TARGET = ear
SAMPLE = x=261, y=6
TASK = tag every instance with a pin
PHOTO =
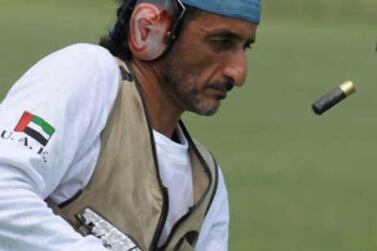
x=149, y=29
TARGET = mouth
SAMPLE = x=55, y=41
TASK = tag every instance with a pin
x=219, y=90
x=219, y=93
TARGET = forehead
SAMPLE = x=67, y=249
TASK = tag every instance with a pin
x=211, y=23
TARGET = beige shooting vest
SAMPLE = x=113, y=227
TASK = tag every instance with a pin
x=126, y=188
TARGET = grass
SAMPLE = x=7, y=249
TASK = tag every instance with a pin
x=297, y=182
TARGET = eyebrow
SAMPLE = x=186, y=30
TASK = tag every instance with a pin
x=232, y=35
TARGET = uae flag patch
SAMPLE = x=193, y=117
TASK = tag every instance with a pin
x=35, y=127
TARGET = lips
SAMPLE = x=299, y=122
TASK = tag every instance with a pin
x=220, y=90
x=220, y=93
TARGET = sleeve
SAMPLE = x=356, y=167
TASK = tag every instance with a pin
x=50, y=118
x=215, y=230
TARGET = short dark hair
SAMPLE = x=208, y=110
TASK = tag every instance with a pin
x=115, y=40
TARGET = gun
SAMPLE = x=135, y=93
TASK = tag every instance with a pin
x=112, y=238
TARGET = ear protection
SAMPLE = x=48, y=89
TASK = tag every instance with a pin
x=149, y=27
x=149, y=37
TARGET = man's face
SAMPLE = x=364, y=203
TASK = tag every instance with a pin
x=207, y=61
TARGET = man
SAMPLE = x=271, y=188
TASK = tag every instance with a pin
x=95, y=133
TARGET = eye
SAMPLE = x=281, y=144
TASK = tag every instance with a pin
x=222, y=44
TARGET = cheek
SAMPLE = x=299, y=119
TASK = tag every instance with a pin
x=200, y=68
x=198, y=56
x=192, y=63
x=204, y=63
x=205, y=73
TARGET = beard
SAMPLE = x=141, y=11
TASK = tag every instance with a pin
x=181, y=87
x=182, y=84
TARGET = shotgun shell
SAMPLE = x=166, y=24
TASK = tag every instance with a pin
x=333, y=97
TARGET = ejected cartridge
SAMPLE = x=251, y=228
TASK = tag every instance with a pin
x=333, y=97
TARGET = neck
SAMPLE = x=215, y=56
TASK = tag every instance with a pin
x=163, y=112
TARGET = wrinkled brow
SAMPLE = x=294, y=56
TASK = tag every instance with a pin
x=230, y=35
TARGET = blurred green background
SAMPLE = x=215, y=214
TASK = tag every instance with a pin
x=297, y=182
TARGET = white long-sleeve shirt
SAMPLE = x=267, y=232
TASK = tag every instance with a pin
x=50, y=125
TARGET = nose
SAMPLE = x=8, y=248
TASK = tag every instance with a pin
x=235, y=67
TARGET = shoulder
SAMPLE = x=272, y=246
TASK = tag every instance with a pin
x=75, y=74
x=79, y=62
x=87, y=69
x=76, y=85
x=76, y=62
x=87, y=55
x=82, y=50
